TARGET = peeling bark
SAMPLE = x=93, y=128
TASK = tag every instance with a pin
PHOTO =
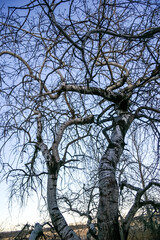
x=107, y=219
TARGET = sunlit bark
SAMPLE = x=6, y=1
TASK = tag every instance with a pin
x=61, y=226
x=108, y=225
x=70, y=63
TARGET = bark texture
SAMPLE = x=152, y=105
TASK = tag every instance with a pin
x=108, y=227
x=62, y=228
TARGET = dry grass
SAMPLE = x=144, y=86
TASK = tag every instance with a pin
x=81, y=230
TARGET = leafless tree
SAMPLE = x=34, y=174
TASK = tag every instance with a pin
x=139, y=171
x=69, y=71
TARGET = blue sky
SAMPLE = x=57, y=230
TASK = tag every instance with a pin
x=12, y=217
x=12, y=3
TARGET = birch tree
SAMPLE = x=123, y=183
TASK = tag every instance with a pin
x=71, y=70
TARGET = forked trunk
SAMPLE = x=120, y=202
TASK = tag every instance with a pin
x=107, y=219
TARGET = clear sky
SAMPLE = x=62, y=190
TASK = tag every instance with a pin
x=14, y=217
x=12, y=3
x=11, y=218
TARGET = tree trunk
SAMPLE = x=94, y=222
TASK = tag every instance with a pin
x=62, y=228
x=107, y=218
x=37, y=232
x=124, y=233
x=128, y=219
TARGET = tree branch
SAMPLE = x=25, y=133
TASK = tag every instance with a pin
x=77, y=121
x=143, y=35
x=19, y=58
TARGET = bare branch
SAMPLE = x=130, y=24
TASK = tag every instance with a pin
x=81, y=121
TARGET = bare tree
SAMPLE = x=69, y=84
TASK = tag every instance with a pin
x=140, y=172
x=70, y=69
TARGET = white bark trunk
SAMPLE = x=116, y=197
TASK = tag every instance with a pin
x=107, y=218
x=53, y=164
x=62, y=228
